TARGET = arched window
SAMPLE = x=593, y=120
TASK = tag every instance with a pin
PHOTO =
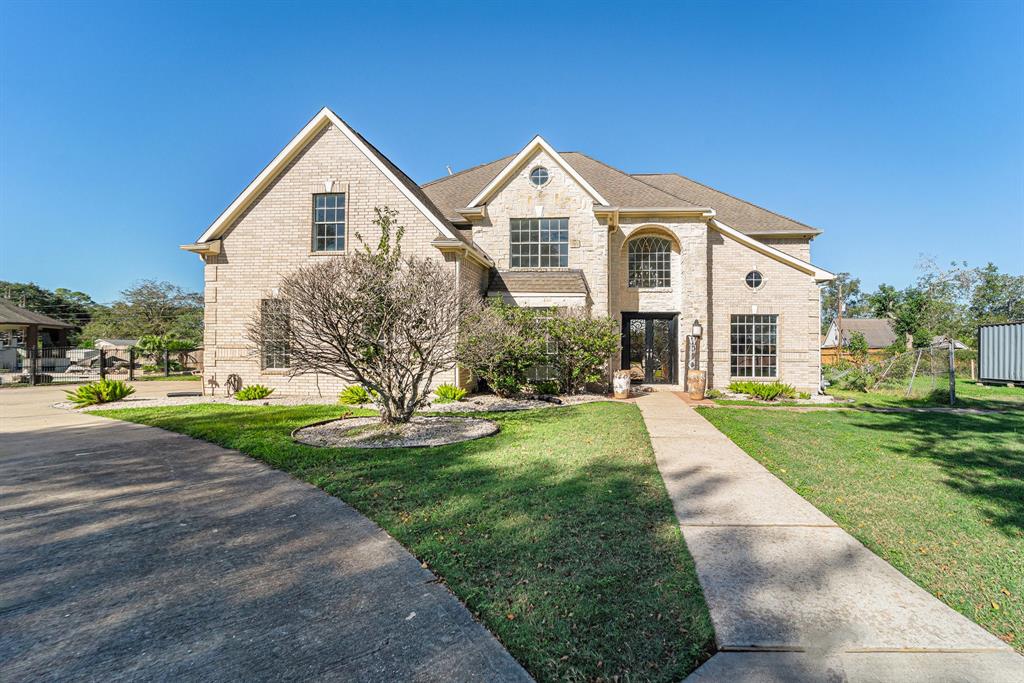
x=650, y=262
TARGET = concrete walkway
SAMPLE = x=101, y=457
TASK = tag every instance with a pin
x=128, y=552
x=792, y=596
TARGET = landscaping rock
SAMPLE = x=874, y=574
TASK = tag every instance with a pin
x=370, y=432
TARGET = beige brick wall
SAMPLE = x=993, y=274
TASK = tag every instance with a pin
x=273, y=238
x=787, y=292
x=561, y=197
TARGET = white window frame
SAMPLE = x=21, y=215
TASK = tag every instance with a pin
x=339, y=227
x=760, y=341
x=536, y=252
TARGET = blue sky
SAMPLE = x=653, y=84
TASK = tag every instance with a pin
x=898, y=128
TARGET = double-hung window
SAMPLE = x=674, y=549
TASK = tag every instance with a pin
x=274, y=319
x=329, y=222
x=539, y=243
x=753, y=343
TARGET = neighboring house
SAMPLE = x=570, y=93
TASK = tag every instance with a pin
x=656, y=252
x=878, y=333
x=22, y=329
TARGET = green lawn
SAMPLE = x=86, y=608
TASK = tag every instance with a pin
x=557, y=532
x=926, y=394
x=939, y=496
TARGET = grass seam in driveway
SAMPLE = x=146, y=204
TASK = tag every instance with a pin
x=557, y=532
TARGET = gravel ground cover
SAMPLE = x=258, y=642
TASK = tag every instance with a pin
x=369, y=432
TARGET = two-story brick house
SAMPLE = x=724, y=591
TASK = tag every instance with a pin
x=658, y=252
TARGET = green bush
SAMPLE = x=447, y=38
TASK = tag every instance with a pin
x=103, y=391
x=547, y=387
x=253, y=392
x=501, y=343
x=846, y=375
x=356, y=395
x=448, y=393
x=766, y=391
x=582, y=347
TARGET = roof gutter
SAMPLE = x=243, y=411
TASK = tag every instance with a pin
x=819, y=274
x=460, y=247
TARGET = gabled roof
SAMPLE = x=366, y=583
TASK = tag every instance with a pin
x=525, y=154
x=323, y=118
x=819, y=274
x=16, y=315
x=746, y=217
x=620, y=189
x=878, y=332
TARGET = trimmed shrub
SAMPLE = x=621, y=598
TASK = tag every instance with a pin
x=448, y=393
x=501, y=343
x=103, y=391
x=766, y=391
x=356, y=395
x=548, y=387
x=582, y=348
x=253, y=392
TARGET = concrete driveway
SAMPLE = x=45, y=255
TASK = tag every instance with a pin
x=129, y=552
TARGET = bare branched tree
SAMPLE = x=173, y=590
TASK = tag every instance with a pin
x=387, y=322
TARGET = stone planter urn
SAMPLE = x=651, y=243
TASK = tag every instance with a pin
x=620, y=383
x=697, y=381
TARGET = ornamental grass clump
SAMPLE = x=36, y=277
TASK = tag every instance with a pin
x=448, y=393
x=103, y=391
x=253, y=392
x=766, y=391
x=356, y=395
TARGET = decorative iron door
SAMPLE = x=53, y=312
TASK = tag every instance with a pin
x=649, y=348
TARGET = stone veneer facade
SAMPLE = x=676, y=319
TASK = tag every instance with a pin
x=273, y=237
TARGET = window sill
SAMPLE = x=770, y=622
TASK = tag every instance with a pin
x=650, y=289
x=766, y=380
x=327, y=253
x=274, y=371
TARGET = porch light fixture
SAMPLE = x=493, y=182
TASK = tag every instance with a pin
x=697, y=331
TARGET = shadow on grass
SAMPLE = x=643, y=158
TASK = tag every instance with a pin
x=557, y=531
x=990, y=470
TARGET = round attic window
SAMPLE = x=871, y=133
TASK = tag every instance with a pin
x=539, y=176
x=754, y=279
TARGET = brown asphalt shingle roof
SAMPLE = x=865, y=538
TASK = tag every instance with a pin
x=655, y=190
x=877, y=332
x=538, y=281
x=16, y=315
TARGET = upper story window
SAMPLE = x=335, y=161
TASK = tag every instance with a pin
x=329, y=222
x=754, y=279
x=539, y=176
x=539, y=243
x=650, y=262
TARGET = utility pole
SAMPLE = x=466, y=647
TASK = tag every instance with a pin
x=839, y=323
x=952, y=372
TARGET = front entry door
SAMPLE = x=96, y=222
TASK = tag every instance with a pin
x=649, y=349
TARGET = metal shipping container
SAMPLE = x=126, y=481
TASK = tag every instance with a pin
x=1001, y=352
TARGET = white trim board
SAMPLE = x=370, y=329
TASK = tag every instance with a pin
x=537, y=143
x=819, y=274
x=322, y=118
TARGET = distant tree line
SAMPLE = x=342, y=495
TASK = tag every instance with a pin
x=951, y=301
x=146, y=308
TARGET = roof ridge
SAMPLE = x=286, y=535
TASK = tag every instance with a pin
x=715, y=189
x=630, y=176
x=465, y=170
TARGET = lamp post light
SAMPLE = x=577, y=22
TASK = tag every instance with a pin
x=695, y=379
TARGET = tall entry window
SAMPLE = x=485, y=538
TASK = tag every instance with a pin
x=754, y=346
x=274, y=319
x=329, y=222
x=539, y=243
x=650, y=262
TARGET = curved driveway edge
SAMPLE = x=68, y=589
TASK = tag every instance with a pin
x=130, y=552
x=792, y=596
